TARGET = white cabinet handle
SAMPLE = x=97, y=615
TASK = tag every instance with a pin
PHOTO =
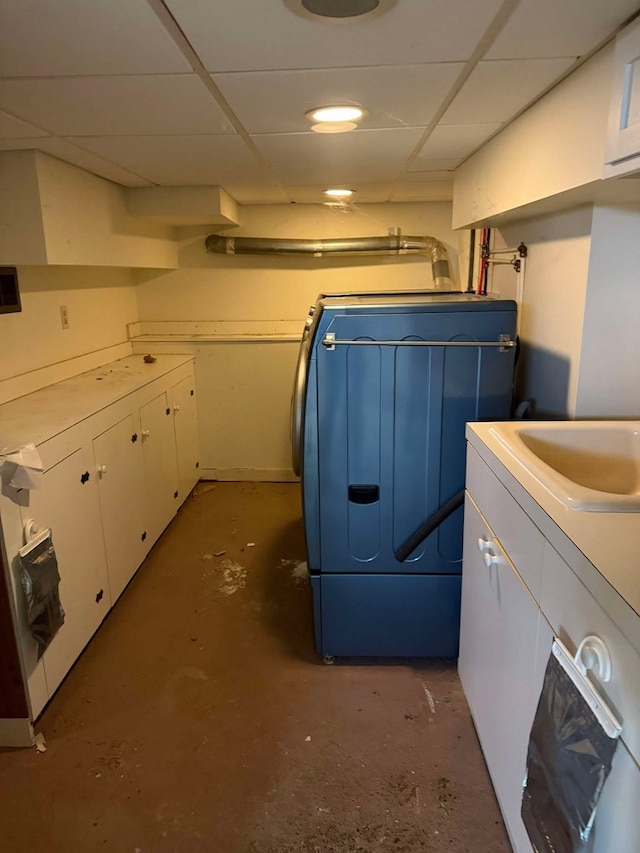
x=145, y=433
x=484, y=544
x=491, y=559
x=176, y=409
x=102, y=469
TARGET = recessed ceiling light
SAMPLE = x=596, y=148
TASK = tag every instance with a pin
x=339, y=11
x=340, y=8
x=334, y=126
x=339, y=193
x=336, y=113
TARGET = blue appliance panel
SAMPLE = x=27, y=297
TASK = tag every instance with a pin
x=382, y=615
x=390, y=434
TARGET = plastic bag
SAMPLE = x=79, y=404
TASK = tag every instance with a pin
x=568, y=761
x=40, y=581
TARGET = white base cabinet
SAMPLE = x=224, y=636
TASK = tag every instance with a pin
x=67, y=503
x=500, y=623
x=125, y=500
x=120, y=451
x=517, y=594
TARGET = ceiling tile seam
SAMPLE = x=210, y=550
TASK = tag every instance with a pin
x=578, y=61
x=71, y=141
x=45, y=77
x=230, y=135
x=311, y=135
x=322, y=68
x=11, y=114
x=490, y=34
x=172, y=27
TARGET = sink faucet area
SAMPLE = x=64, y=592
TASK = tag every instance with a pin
x=589, y=466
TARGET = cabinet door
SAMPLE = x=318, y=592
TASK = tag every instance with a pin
x=120, y=469
x=67, y=502
x=161, y=470
x=623, y=135
x=183, y=402
x=574, y=614
x=497, y=664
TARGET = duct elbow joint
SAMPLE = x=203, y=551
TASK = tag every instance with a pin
x=440, y=268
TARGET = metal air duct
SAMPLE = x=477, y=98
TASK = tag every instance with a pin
x=391, y=245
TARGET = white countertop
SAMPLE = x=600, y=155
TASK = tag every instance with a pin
x=610, y=541
x=41, y=415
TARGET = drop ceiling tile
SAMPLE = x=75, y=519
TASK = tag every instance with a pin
x=548, y=28
x=497, y=90
x=257, y=195
x=182, y=160
x=70, y=153
x=14, y=128
x=110, y=106
x=24, y=144
x=59, y=37
x=454, y=140
x=364, y=194
x=245, y=35
x=425, y=164
x=425, y=177
x=63, y=150
x=395, y=96
x=367, y=156
x=429, y=191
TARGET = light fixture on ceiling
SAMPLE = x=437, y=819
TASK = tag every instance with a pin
x=342, y=192
x=334, y=126
x=336, y=113
x=340, y=8
x=339, y=11
x=335, y=118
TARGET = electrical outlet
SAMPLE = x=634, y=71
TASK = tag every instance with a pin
x=64, y=316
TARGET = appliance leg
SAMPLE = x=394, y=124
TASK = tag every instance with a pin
x=328, y=660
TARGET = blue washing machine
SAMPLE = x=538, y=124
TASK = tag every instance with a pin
x=384, y=387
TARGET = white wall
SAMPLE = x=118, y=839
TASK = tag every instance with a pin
x=609, y=383
x=86, y=221
x=21, y=229
x=219, y=287
x=244, y=387
x=552, y=313
x=555, y=147
x=581, y=348
x=55, y=213
x=35, y=349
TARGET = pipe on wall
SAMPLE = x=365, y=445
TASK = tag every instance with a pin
x=390, y=245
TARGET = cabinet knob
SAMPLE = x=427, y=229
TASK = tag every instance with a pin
x=484, y=544
x=102, y=469
x=176, y=409
x=491, y=559
x=145, y=433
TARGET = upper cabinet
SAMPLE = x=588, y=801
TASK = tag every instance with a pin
x=622, y=150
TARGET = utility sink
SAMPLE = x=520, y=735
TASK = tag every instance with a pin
x=591, y=466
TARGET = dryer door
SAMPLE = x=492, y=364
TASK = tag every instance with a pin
x=297, y=402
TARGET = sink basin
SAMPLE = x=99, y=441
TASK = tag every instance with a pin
x=592, y=466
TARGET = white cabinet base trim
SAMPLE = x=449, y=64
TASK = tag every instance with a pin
x=16, y=732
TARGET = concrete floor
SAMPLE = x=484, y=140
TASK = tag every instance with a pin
x=200, y=718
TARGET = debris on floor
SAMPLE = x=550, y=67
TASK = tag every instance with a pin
x=203, y=487
x=429, y=695
x=185, y=726
x=299, y=570
x=40, y=743
x=235, y=577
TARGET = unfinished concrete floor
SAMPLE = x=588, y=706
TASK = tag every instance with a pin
x=200, y=718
